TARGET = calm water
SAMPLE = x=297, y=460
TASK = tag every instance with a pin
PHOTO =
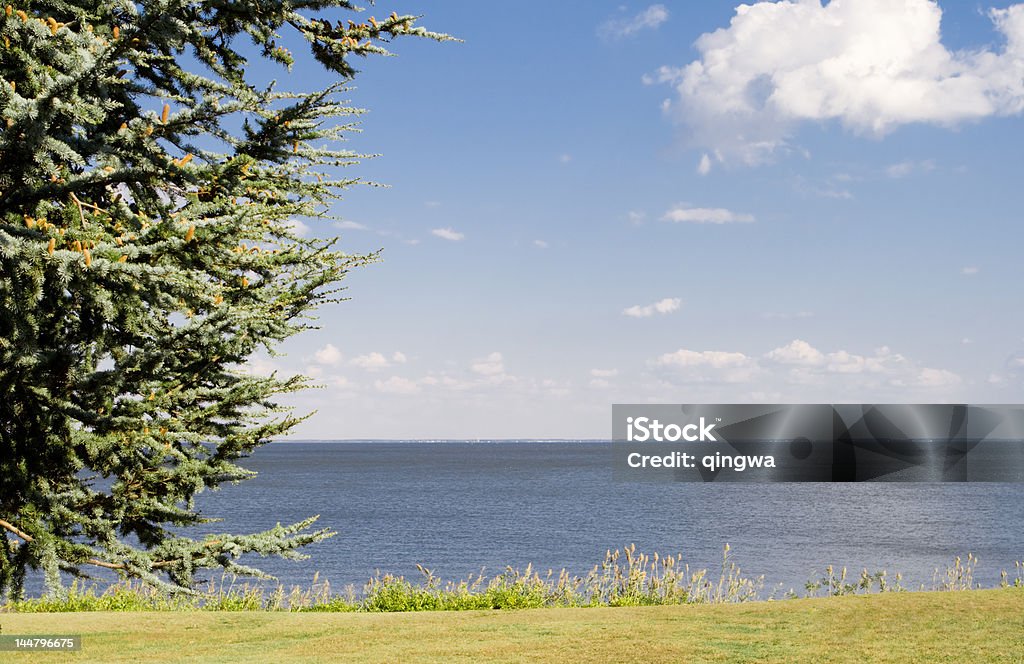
x=458, y=507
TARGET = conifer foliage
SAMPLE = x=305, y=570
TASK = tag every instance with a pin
x=149, y=193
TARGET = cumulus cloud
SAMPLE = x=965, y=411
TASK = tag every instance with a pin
x=447, y=234
x=708, y=358
x=492, y=365
x=800, y=353
x=648, y=19
x=683, y=214
x=396, y=385
x=871, y=65
x=798, y=365
x=298, y=227
x=797, y=351
x=398, y=357
x=931, y=378
x=259, y=366
x=329, y=354
x=370, y=361
x=884, y=367
x=708, y=366
x=665, y=306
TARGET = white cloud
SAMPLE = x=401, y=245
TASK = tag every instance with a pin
x=665, y=306
x=928, y=377
x=447, y=234
x=540, y=244
x=681, y=213
x=996, y=379
x=797, y=351
x=839, y=194
x=329, y=354
x=704, y=167
x=259, y=366
x=905, y=168
x=604, y=373
x=970, y=271
x=636, y=217
x=564, y=158
x=396, y=385
x=708, y=358
x=708, y=366
x=398, y=357
x=350, y=226
x=648, y=19
x=370, y=361
x=599, y=384
x=822, y=376
x=492, y=365
x=298, y=227
x=802, y=354
x=341, y=383
x=872, y=65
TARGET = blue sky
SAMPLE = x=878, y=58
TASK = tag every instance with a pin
x=596, y=203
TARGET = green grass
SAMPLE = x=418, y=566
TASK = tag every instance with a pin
x=976, y=626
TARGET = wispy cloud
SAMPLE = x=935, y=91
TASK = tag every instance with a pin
x=447, y=234
x=784, y=315
x=665, y=306
x=683, y=214
x=540, y=244
x=350, y=226
x=905, y=168
x=648, y=19
x=397, y=385
x=970, y=270
x=704, y=166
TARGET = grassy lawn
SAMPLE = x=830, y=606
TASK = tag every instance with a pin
x=984, y=625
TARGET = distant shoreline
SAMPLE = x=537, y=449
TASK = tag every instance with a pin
x=442, y=440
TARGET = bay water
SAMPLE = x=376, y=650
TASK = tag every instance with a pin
x=459, y=508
